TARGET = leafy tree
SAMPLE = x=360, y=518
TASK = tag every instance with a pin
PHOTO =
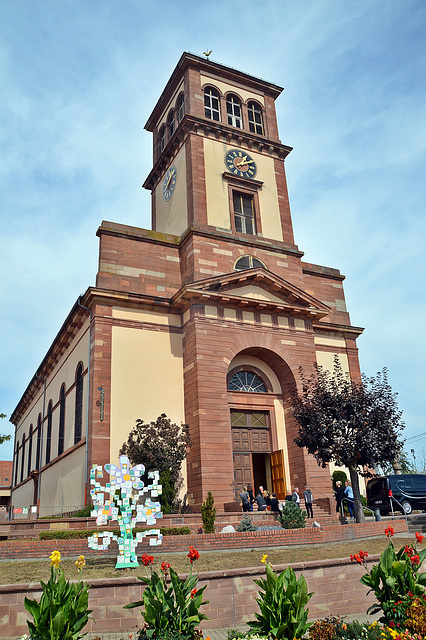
x=160, y=445
x=386, y=468
x=353, y=424
x=4, y=438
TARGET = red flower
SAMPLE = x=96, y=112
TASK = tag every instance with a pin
x=391, y=623
x=390, y=531
x=408, y=550
x=165, y=566
x=193, y=554
x=415, y=559
x=193, y=592
x=147, y=560
x=419, y=537
x=363, y=555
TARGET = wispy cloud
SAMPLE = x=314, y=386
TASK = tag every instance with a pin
x=80, y=80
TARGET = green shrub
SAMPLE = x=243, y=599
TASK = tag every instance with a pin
x=292, y=517
x=208, y=514
x=246, y=524
x=70, y=534
x=338, y=475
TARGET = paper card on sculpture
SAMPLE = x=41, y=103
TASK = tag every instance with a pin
x=130, y=501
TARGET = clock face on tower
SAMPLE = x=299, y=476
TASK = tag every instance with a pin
x=240, y=163
x=169, y=183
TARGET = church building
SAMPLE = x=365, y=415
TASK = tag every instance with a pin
x=206, y=318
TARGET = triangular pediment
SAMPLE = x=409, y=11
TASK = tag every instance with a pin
x=257, y=288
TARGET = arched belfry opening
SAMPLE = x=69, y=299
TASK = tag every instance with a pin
x=257, y=401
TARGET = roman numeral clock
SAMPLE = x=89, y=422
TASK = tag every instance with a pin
x=240, y=163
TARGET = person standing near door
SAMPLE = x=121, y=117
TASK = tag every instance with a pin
x=295, y=496
x=309, y=499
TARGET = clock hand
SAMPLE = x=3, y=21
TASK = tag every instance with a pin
x=244, y=161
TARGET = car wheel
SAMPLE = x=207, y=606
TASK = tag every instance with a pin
x=407, y=507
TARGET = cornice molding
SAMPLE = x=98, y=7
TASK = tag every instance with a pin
x=192, y=125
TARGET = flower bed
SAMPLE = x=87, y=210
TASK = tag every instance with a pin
x=171, y=605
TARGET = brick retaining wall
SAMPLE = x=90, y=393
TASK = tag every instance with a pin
x=335, y=583
x=10, y=549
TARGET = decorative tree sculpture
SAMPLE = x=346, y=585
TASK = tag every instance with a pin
x=125, y=490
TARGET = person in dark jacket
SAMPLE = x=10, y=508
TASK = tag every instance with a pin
x=309, y=499
x=340, y=494
x=261, y=502
x=251, y=496
x=274, y=503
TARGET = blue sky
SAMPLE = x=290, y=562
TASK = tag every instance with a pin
x=79, y=80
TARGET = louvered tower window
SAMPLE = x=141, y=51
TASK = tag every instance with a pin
x=243, y=213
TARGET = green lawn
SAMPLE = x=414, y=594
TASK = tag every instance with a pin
x=103, y=567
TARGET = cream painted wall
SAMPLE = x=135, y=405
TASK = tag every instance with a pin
x=172, y=216
x=326, y=359
x=63, y=372
x=218, y=211
x=62, y=485
x=255, y=292
x=330, y=340
x=23, y=496
x=170, y=105
x=147, y=316
x=224, y=87
x=146, y=380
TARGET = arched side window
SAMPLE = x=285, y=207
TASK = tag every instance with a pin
x=171, y=123
x=233, y=111
x=247, y=381
x=30, y=449
x=180, y=107
x=211, y=104
x=248, y=262
x=16, y=463
x=161, y=140
x=61, y=434
x=23, y=457
x=255, y=118
x=38, y=452
x=78, y=404
x=49, y=431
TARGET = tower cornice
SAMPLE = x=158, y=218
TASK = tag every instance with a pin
x=192, y=125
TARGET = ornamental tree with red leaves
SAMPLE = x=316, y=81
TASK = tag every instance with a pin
x=352, y=424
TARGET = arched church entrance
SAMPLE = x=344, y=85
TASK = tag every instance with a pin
x=259, y=446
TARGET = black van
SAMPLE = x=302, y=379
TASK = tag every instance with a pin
x=408, y=491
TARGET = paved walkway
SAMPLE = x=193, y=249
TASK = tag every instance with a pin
x=219, y=633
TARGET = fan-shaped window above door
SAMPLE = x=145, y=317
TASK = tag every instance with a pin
x=247, y=381
x=248, y=262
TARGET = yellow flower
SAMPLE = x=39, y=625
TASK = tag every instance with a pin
x=55, y=558
x=80, y=563
x=264, y=558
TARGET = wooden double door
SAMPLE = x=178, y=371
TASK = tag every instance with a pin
x=254, y=462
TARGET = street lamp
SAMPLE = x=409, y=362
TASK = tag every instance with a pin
x=414, y=458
